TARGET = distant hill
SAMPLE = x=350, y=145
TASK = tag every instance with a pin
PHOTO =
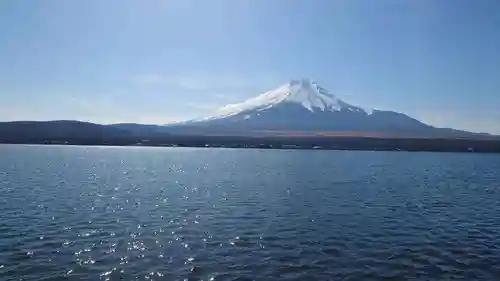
x=56, y=130
x=141, y=129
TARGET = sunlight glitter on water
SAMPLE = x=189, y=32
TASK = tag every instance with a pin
x=433, y=218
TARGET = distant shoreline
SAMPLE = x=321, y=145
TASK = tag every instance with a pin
x=286, y=143
x=83, y=133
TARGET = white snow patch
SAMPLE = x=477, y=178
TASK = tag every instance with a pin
x=369, y=111
x=302, y=92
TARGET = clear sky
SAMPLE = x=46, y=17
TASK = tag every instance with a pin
x=159, y=61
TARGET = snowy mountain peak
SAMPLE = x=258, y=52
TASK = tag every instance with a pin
x=302, y=92
x=304, y=82
x=310, y=95
x=302, y=105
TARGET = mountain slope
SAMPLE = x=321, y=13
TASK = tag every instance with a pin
x=304, y=106
x=141, y=130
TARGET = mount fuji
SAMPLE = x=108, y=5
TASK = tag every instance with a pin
x=303, y=106
x=299, y=114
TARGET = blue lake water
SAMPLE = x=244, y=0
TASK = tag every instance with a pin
x=124, y=213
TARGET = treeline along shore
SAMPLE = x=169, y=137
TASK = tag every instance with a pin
x=275, y=142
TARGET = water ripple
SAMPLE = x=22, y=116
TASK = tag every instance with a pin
x=104, y=213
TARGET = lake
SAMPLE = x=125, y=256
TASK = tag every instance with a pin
x=139, y=213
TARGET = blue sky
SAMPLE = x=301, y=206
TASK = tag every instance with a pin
x=159, y=61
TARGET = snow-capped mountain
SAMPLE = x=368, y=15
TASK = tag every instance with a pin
x=304, y=106
x=303, y=92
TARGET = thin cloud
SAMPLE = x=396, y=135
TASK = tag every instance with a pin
x=183, y=83
x=221, y=96
x=202, y=106
x=224, y=97
x=212, y=83
x=450, y=119
x=17, y=113
x=150, y=79
x=103, y=109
